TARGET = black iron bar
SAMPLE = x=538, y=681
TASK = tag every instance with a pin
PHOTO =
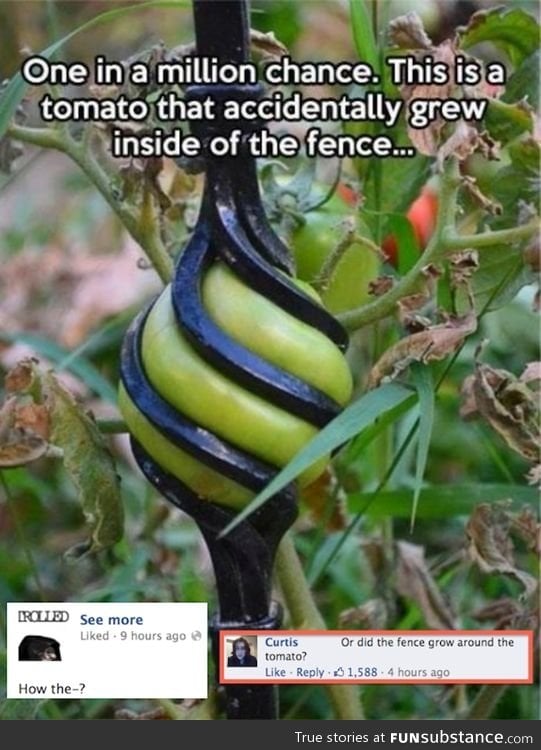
x=232, y=227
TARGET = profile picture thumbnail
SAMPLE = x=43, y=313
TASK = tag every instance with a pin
x=241, y=651
x=39, y=648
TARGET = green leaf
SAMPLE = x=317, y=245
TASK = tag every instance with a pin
x=438, y=501
x=350, y=422
x=408, y=248
x=524, y=83
x=502, y=271
x=17, y=709
x=500, y=276
x=17, y=86
x=402, y=180
x=505, y=122
x=513, y=30
x=359, y=443
x=363, y=36
x=519, y=181
x=77, y=365
x=90, y=465
x=422, y=379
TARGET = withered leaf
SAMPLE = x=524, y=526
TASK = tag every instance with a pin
x=490, y=544
x=531, y=373
x=414, y=581
x=407, y=32
x=434, y=343
x=380, y=286
x=40, y=418
x=508, y=404
x=372, y=615
x=89, y=464
x=21, y=449
x=502, y=611
x=427, y=140
x=267, y=44
x=325, y=503
x=19, y=443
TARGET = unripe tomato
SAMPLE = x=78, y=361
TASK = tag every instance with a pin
x=313, y=242
x=422, y=215
x=209, y=398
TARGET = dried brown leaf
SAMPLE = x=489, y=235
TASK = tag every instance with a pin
x=490, y=545
x=407, y=32
x=21, y=449
x=33, y=418
x=462, y=142
x=531, y=374
x=42, y=418
x=526, y=526
x=534, y=475
x=22, y=377
x=487, y=204
x=509, y=406
x=267, y=44
x=434, y=343
x=414, y=581
x=502, y=611
x=324, y=502
x=380, y=286
x=427, y=140
x=372, y=615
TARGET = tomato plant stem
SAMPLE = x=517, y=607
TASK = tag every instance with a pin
x=147, y=237
x=305, y=615
x=486, y=701
x=486, y=239
x=444, y=241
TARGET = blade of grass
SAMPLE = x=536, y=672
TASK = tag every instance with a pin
x=363, y=35
x=17, y=86
x=438, y=501
x=363, y=439
x=350, y=422
x=422, y=379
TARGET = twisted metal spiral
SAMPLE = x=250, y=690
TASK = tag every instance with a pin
x=232, y=230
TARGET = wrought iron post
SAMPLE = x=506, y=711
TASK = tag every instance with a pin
x=232, y=226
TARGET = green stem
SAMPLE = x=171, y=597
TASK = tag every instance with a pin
x=453, y=241
x=486, y=701
x=444, y=241
x=148, y=240
x=23, y=542
x=386, y=304
x=305, y=615
x=112, y=426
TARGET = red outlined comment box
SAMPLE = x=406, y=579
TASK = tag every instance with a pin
x=423, y=657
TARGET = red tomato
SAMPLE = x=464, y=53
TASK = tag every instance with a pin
x=422, y=216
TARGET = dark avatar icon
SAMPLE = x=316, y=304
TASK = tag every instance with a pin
x=241, y=655
x=39, y=648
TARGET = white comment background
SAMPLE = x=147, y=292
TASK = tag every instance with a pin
x=115, y=668
x=324, y=658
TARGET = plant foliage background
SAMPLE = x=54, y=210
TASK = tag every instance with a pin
x=428, y=517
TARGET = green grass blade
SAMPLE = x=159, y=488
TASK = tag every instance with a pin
x=422, y=378
x=350, y=422
x=438, y=501
x=17, y=86
x=363, y=36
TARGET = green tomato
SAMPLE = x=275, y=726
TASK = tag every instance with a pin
x=215, y=402
x=313, y=242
